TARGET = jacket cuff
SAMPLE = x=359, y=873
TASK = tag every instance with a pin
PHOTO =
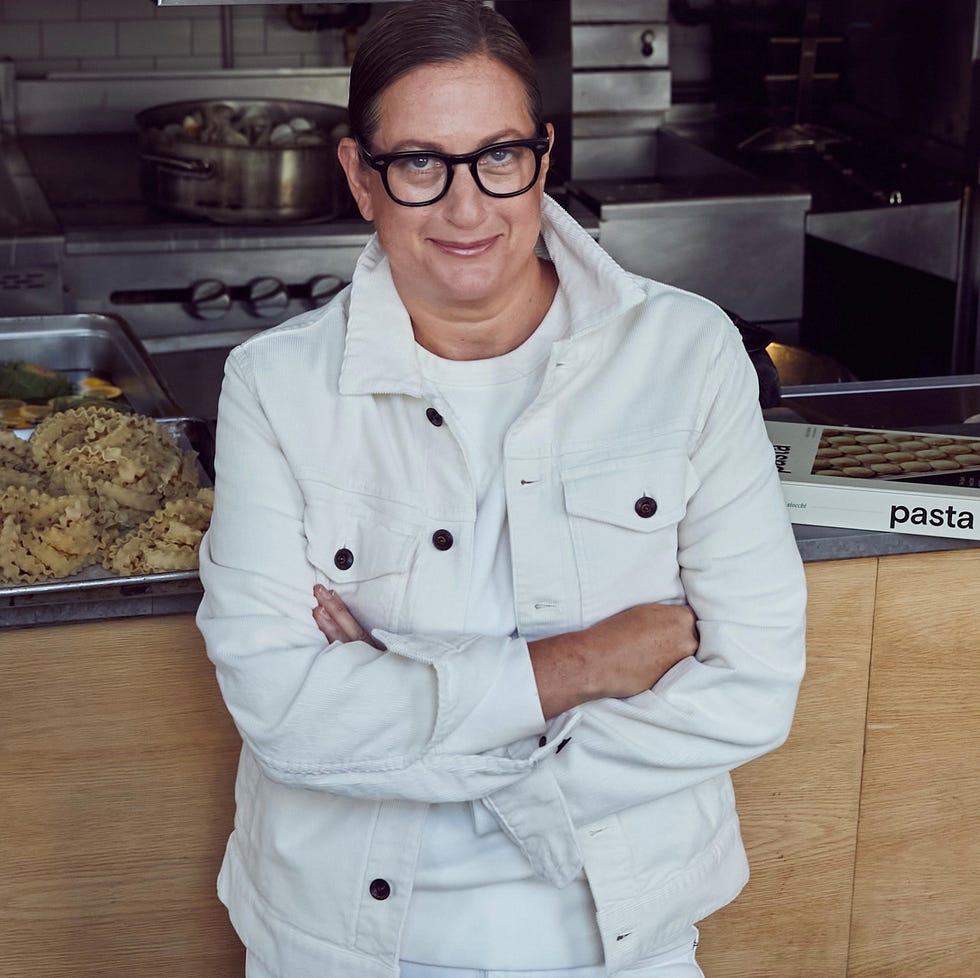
x=487, y=694
x=533, y=813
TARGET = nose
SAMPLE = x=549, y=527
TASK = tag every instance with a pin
x=465, y=203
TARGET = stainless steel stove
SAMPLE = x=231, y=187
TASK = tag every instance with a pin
x=188, y=288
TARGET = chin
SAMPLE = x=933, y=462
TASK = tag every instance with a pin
x=472, y=285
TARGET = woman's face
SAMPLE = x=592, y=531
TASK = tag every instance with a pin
x=467, y=249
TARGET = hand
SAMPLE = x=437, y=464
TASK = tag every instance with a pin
x=336, y=622
x=620, y=656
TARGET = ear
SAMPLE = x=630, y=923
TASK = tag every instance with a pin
x=358, y=176
x=546, y=161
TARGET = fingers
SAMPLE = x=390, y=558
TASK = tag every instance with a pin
x=335, y=620
x=330, y=629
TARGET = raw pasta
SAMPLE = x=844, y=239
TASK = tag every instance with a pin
x=96, y=486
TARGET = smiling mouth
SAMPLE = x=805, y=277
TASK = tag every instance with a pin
x=465, y=249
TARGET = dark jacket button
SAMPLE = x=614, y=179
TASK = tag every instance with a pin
x=645, y=507
x=542, y=740
x=343, y=558
x=434, y=417
x=442, y=539
x=379, y=889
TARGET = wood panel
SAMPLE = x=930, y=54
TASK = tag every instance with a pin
x=799, y=805
x=917, y=895
x=117, y=763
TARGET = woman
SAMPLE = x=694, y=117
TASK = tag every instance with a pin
x=513, y=477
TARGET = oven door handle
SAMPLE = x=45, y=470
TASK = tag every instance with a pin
x=197, y=169
x=205, y=340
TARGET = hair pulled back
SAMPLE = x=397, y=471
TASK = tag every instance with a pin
x=427, y=32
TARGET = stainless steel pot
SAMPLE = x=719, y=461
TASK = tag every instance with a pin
x=241, y=161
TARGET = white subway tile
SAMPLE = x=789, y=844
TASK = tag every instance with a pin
x=40, y=9
x=116, y=9
x=20, y=41
x=247, y=16
x=205, y=37
x=77, y=39
x=258, y=11
x=136, y=35
x=167, y=39
x=248, y=35
x=330, y=53
x=281, y=38
x=193, y=12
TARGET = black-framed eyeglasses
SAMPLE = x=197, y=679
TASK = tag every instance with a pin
x=421, y=177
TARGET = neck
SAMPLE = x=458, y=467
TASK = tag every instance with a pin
x=481, y=332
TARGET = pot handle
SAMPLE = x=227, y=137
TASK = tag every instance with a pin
x=197, y=169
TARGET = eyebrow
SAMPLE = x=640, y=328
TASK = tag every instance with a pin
x=421, y=146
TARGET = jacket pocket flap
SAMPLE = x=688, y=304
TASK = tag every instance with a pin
x=349, y=541
x=358, y=549
x=643, y=493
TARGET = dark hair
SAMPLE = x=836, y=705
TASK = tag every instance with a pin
x=427, y=32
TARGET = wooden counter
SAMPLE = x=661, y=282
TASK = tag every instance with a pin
x=862, y=828
x=117, y=762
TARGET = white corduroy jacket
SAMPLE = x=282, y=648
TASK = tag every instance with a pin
x=331, y=467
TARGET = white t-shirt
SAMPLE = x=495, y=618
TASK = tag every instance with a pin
x=476, y=903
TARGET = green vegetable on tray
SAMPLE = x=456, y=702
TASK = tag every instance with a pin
x=82, y=400
x=31, y=382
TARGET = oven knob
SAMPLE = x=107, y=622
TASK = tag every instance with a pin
x=209, y=299
x=266, y=296
x=323, y=288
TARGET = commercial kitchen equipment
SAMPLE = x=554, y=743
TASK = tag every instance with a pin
x=191, y=289
x=244, y=161
x=90, y=243
x=87, y=241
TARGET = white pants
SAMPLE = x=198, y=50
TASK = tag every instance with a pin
x=673, y=962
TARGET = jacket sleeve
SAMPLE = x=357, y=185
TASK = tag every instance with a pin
x=743, y=577
x=423, y=720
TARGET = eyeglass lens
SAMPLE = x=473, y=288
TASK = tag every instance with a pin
x=420, y=178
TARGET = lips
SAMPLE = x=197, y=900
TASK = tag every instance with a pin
x=465, y=249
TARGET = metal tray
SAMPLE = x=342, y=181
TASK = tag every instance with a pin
x=93, y=343
x=904, y=404
x=97, y=593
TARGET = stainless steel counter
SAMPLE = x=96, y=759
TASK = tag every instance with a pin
x=709, y=226
x=182, y=593
x=833, y=543
x=40, y=247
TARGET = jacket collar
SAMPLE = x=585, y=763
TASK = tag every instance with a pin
x=379, y=353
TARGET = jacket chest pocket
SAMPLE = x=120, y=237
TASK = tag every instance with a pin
x=623, y=516
x=360, y=551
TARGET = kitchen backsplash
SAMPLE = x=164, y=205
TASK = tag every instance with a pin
x=43, y=36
